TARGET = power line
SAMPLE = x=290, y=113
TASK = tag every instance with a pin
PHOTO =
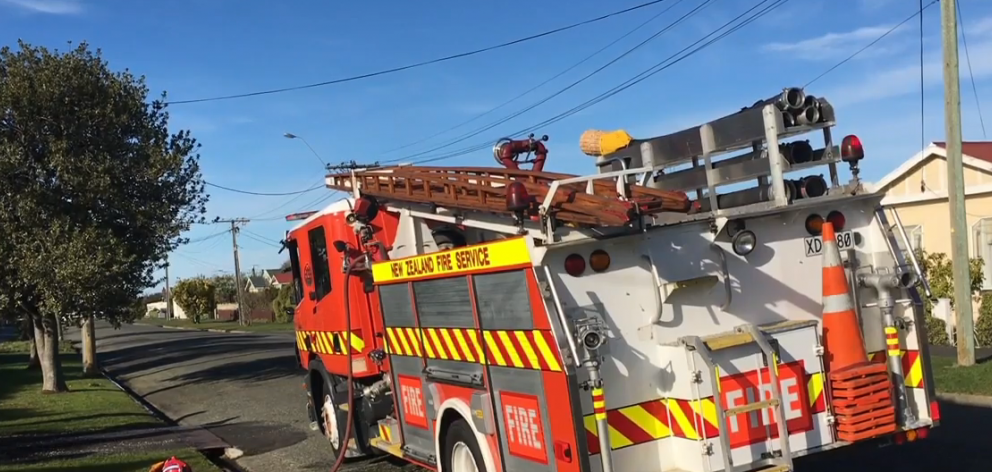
x=320, y=183
x=545, y=82
x=859, y=51
x=264, y=194
x=659, y=67
x=560, y=91
x=967, y=57
x=256, y=238
x=207, y=238
x=424, y=63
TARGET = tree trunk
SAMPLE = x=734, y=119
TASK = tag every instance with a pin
x=46, y=333
x=90, y=366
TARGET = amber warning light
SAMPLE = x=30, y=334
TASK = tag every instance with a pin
x=300, y=216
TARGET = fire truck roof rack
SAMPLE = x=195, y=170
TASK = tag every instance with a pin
x=761, y=127
x=636, y=185
x=595, y=203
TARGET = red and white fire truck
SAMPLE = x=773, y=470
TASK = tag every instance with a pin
x=636, y=319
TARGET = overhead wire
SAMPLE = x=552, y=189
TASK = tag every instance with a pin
x=534, y=105
x=423, y=63
x=651, y=71
x=545, y=82
x=263, y=194
x=872, y=43
x=967, y=56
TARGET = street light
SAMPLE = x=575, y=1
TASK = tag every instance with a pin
x=288, y=135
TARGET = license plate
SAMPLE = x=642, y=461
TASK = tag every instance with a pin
x=814, y=245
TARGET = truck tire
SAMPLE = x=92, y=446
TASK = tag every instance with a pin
x=461, y=450
x=333, y=420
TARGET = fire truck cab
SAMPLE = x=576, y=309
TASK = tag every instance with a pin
x=479, y=319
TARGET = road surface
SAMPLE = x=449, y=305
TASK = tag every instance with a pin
x=246, y=389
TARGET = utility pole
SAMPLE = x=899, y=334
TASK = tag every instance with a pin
x=237, y=265
x=168, y=292
x=955, y=186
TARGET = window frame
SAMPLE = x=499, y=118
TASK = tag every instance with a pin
x=321, y=266
x=294, y=261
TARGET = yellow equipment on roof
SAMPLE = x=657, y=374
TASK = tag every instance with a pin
x=595, y=142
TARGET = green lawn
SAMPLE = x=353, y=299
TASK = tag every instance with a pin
x=91, y=405
x=256, y=326
x=973, y=380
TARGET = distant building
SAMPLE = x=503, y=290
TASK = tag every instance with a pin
x=258, y=281
x=158, y=310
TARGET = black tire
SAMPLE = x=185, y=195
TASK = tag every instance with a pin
x=459, y=433
x=338, y=391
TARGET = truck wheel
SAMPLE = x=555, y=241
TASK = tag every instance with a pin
x=461, y=450
x=333, y=420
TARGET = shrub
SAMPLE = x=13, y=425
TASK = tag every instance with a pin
x=983, y=326
x=937, y=331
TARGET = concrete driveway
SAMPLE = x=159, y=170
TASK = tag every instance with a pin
x=247, y=389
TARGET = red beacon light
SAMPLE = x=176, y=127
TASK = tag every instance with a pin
x=517, y=198
x=851, y=150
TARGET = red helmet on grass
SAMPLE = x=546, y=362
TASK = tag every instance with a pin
x=175, y=465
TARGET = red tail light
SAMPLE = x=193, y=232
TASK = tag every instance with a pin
x=837, y=219
x=851, y=149
x=575, y=265
x=934, y=410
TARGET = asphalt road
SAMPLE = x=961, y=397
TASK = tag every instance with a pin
x=246, y=389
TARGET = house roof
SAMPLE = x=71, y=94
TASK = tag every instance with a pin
x=977, y=149
x=257, y=281
x=977, y=154
x=284, y=277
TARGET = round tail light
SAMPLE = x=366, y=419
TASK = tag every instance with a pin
x=814, y=224
x=599, y=260
x=575, y=265
x=837, y=219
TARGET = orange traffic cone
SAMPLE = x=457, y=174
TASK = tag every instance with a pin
x=842, y=340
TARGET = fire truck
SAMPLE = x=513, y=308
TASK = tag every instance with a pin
x=505, y=319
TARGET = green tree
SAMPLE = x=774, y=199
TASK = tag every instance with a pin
x=226, y=288
x=937, y=268
x=96, y=191
x=283, y=303
x=196, y=296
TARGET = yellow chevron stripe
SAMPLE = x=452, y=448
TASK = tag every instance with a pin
x=646, y=421
x=463, y=343
x=414, y=340
x=493, y=348
x=449, y=344
x=528, y=350
x=706, y=409
x=405, y=344
x=510, y=350
x=546, y=353
x=438, y=345
x=814, y=388
x=684, y=422
x=617, y=440
x=914, y=378
x=474, y=336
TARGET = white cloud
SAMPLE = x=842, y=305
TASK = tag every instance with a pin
x=832, y=45
x=52, y=7
x=903, y=78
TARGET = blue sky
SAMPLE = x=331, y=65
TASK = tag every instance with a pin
x=196, y=49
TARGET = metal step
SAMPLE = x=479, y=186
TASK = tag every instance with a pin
x=751, y=407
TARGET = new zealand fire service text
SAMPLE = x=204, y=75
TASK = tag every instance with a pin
x=436, y=264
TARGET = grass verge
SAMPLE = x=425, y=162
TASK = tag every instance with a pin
x=972, y=380
x=91, y=405
x=256, y=326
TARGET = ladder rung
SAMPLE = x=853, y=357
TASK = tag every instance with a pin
x=727, y=341
x=752, y=407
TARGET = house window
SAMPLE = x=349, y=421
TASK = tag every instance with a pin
x=319, y=261
x=981, y=240
x=915, y=235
